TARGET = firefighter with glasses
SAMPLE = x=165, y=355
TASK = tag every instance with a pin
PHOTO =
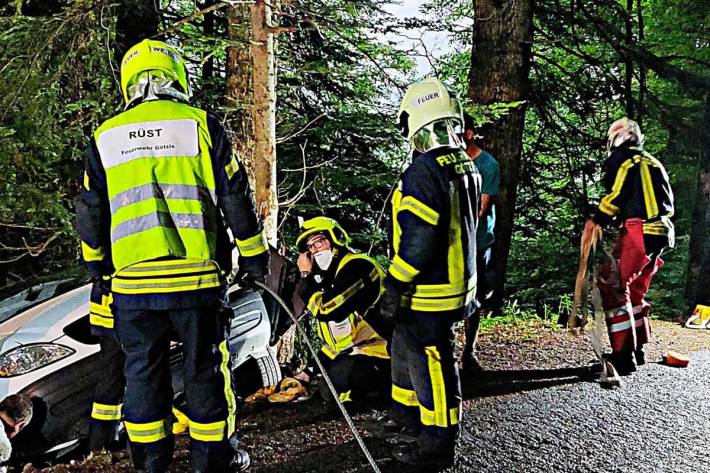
x=341, y=288
x=159, y=182
x=431, y=281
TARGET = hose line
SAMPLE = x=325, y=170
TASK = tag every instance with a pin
x=344, y=411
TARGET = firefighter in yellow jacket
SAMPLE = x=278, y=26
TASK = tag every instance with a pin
x=340, y=288
x=160, y=178
x=431, y=280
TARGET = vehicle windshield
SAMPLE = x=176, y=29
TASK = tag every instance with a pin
x=26, y=294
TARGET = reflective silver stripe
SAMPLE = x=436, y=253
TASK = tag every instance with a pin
x=211, y=432
x=158, y=219
x=106, y=412
x=161, y=191
x=192, y=281
x=625, y=325
x=168, y=267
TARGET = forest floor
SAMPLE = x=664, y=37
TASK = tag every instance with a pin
x=518, y=358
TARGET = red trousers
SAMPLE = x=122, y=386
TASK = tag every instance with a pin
x=623, y=281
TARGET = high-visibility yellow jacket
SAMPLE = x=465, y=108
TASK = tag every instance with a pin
x=342, y=302
x=637, y=186
x=158, y=177
x=433, y=231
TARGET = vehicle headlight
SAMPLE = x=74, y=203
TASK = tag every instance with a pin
x=26, y=358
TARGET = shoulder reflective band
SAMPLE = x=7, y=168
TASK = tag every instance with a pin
x=606, y=205
x=157, y=139
x=649, y=195
x=402, y=270
x=419, y=209
x=253, y=246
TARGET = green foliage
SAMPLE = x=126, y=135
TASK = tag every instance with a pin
x=55, y=86
x=577, y=90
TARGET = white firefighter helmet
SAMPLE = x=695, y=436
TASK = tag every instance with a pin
x=430, y=115
x=621, y=131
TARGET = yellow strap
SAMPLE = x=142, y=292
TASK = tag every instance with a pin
x=86, y=181
x=232, y=167
x=606, y=205
x=649, y=195
x=165, y=285
x=228, y=392
x=101, y=321
x=314, y=302
x=182, y=423
x=340, y=299
x=420, y=209
x=428, y=417
x=402, y=270
x=108, y=412
x=437, y=385
x=207, y=432
x=91, y=254
x=253, y=246
x=404, y=396
x=438, y=304
x=148, y=432
x=345, y=397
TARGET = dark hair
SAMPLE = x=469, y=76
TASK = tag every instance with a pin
x=468, y=122
x=18, y=407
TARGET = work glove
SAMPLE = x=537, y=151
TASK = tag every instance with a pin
x=254, y=268
x=391, y=300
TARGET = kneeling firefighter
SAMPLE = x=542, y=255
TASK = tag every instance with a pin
x=431, y=281
x=159, y=179
x=341, y=288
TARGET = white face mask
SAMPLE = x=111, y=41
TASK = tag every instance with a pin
x=323, y=259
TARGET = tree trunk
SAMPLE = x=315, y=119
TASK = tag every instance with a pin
x=629, y=69
x=500, y=62
x=251, y=97
x=208, y=29
x=238, y=94
x=698, y=282
x=642, y=67
x=264, y=116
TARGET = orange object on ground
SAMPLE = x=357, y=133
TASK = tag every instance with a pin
x=673, y=358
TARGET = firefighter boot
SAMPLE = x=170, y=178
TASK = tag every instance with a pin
x=240, y=461
x=432, y=457
x=640, y=356
x=401, y=420
x=623, y=361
